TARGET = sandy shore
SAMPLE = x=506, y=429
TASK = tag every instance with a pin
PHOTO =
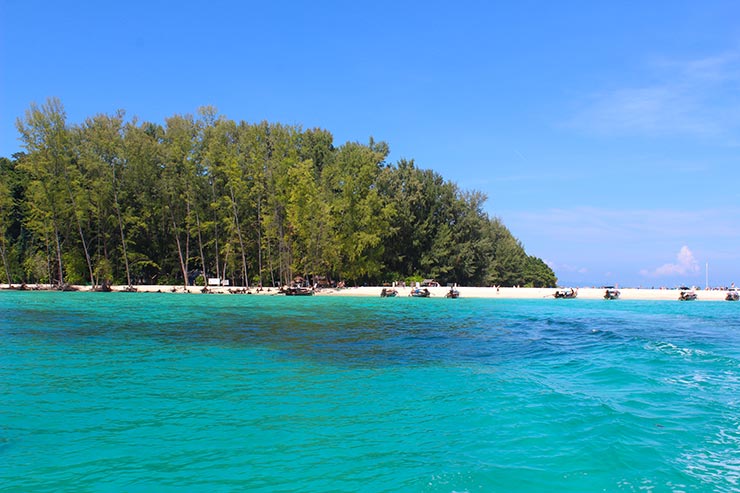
x=540, y=293
x=437, y=292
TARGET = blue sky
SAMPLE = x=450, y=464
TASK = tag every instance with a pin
x=605, y=134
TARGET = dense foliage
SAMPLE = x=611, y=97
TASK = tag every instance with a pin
x=120, y=201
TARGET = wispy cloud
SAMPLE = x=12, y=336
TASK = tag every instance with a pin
x=685, y=264
x=567, y=268
x=691, y=97
x=589, y=225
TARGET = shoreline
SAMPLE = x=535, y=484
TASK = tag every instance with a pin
x=647, y=294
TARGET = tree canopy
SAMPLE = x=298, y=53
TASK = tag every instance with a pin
x=130, y=202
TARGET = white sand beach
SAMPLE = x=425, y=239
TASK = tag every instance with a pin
x=536, y=293
x=436, y=292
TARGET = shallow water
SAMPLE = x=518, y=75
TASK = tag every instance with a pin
x=173, y=392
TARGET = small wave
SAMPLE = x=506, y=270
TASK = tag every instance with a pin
x=674, y=350
x=716, y=462
x=719, y=468
x=692, y=354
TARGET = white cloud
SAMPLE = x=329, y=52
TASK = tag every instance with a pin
x=685, y=264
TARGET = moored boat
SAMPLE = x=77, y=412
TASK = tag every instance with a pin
x=611, y=293
x=732, y=295
x=388, y=293
x=420, y=293
x=297, y=291
x=686, y=294
x=566, y=293
x=452, y=293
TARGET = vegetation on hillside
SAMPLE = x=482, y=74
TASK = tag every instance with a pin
x=129, y=202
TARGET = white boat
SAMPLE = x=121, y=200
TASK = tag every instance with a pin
x=566, y=293
x=420, y=293
x=686, y=294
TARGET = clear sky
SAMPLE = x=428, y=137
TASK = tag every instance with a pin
x=606, y=135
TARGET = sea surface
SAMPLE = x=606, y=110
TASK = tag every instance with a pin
x=137, y=392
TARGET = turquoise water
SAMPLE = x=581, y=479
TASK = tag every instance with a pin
x=172, y=392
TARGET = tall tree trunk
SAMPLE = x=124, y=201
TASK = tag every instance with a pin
x=120, y=228
x=239, y=234
x=60, y=281
x=187, y=238
x=200, y=248
x=48, y=260
x=283, y=255
x=215, y=232
x=123, y=244
x=270, y=266
x=93, y=281
x=179, y=250
x=5, y=260
x=259, y=236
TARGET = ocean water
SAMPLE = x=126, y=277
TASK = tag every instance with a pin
x=172, y=392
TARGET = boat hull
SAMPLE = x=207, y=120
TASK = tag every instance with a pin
x=566, y=295
x=611, y=294
x=298, y=292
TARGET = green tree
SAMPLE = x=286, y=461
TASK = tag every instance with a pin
x=251, y=202
x=361, y=215
x=179, y=180
x=142, y=204
x=474, y=250
x=224, y=160
x=103, y=158
x=6, y=211
x=45, y=137
x=538, y=274
x=509, y=257
x=309, y=217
